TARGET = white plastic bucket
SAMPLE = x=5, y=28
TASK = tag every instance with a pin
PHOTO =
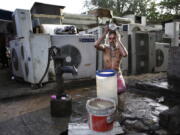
x=106, y=84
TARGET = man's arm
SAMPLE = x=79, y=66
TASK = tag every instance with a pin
x=123, y=50
x=98, y=44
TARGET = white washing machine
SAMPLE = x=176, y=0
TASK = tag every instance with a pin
x=79, y=51
x=30, y=61
x=161, y=53
x=172, y=30
x=142, y=51
x=15, y=48
x=29, y=50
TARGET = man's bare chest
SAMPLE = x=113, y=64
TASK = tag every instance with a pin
x=112, y=54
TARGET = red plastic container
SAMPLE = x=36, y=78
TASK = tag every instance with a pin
x=101, y=112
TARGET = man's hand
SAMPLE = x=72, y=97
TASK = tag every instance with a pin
x=98, y=42
x=118, y=37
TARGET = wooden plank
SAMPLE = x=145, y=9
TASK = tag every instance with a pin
x=101, y=12
x=7, y=21
x=76, y=21
x=79, y=16
x=46, y=16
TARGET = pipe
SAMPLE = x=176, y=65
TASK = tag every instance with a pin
x=121, y=19
x=79, y=16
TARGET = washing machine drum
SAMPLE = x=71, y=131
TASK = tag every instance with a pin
x=159, y=57
x=72, y=55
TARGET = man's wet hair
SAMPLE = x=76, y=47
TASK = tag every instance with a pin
x=112, y=32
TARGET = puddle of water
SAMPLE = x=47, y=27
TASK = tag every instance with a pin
x=141, y=110
x=164, y=85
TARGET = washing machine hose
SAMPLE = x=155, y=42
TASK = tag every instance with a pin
x=51, y=53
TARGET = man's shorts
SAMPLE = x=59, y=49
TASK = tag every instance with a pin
x=121, y=83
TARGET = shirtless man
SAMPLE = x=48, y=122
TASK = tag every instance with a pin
x=112, y=53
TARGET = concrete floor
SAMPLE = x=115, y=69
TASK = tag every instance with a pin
x=30, y=114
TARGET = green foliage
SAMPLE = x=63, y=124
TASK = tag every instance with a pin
x=155, y=12
x=170, y=6
x=152, y=13
x=120, y=7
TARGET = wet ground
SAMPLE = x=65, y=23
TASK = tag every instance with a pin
x=30, y=115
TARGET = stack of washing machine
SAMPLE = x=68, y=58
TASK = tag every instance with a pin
x=29, y=51
x=142, y=51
